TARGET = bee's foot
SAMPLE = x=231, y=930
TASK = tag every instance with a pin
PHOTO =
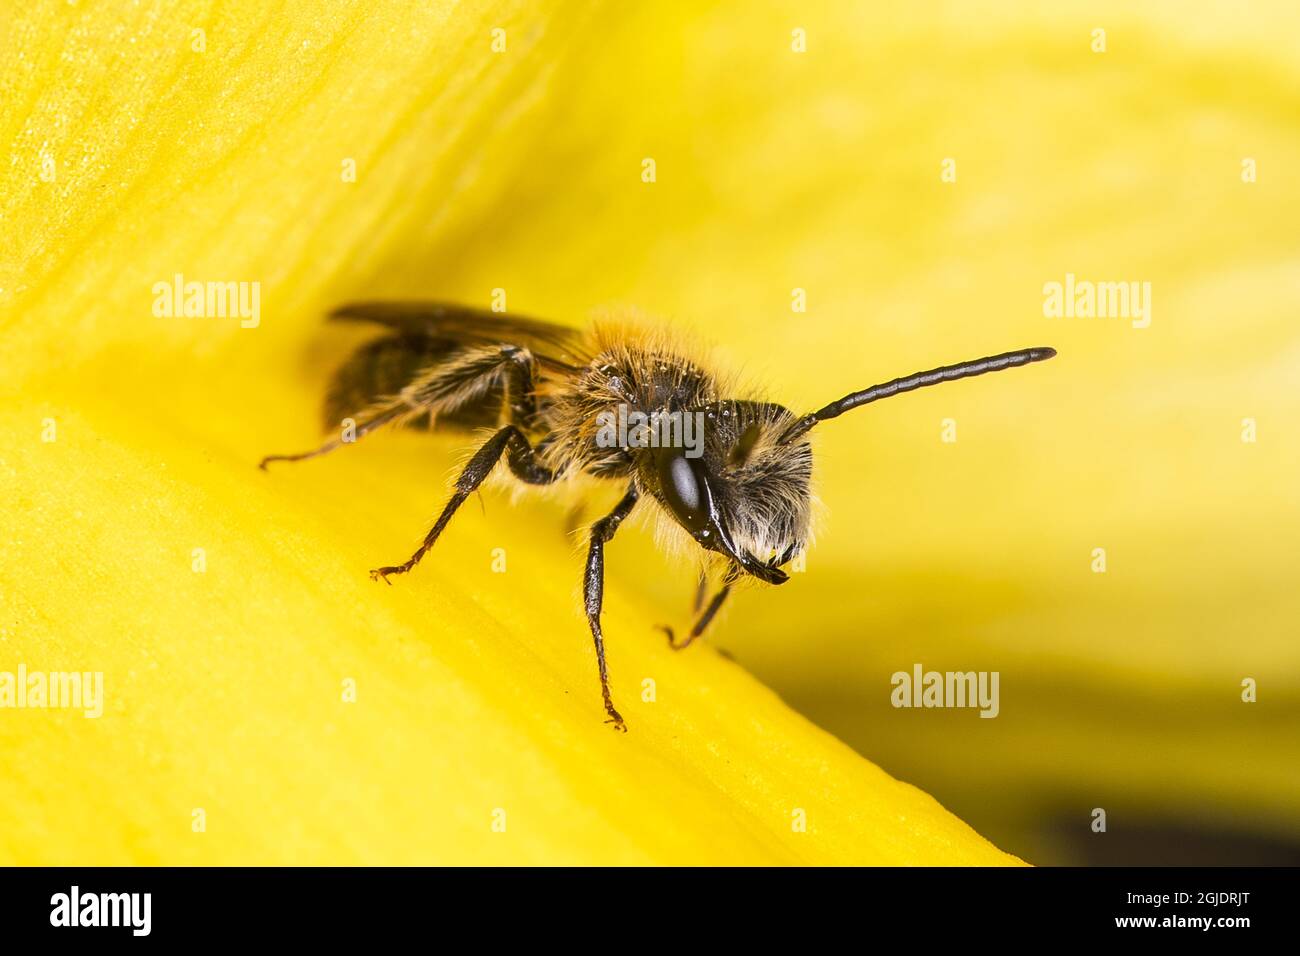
x=672, y=638
x=615, y=718
x=381, y=574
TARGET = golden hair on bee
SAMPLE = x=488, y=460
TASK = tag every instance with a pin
x=728, y=475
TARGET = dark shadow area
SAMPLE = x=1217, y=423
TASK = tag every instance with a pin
x=1157, y=843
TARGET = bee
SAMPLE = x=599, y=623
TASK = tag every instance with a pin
x=740, y=491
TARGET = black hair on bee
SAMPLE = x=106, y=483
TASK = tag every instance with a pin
x=732, y=475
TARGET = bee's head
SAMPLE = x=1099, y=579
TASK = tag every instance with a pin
x=735, y=489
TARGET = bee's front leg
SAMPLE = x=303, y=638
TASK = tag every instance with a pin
x=702, y=623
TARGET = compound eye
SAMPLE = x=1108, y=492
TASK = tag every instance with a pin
x=685, y=491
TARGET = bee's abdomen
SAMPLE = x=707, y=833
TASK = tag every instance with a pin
x=382, y=368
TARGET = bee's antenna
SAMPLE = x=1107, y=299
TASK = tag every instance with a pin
x=936, y=376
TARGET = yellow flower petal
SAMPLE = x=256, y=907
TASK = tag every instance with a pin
x=229, y=609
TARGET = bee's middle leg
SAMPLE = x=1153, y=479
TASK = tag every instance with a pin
x=593, y=587
x=522, y=461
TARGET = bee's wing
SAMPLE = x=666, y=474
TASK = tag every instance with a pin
x=432, y=335
x=555, y=345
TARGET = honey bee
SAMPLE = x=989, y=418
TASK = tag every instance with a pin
x=555, y=396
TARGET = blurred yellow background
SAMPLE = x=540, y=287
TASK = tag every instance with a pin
x=775, y=170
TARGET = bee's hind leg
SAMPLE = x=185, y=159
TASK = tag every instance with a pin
x=435, y=390
x=523, y=463
x=382, y=417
